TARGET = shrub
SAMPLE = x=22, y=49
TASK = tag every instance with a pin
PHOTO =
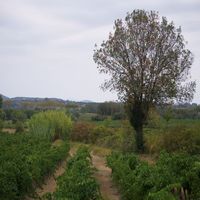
x=153, y=141
x=98, y=118
x=180, y=138
x=81, y=132
x=153, y=118
x=1, y=125
x=51, y=124
x=19, y=126
x=119, y=116
x=128, y=142
x=100, y=132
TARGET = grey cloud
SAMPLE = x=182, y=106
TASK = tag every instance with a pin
x=46, y=46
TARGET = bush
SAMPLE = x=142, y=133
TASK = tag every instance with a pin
x=119, y=116
x=98, y=118
x=154, y=118
x=51, y=125
x=100, y=132
x=153, y=141
x=19, y=126
x=128, y=142
x=182, y=139
x=2, y=114
x=1, y=125
x=81, y=132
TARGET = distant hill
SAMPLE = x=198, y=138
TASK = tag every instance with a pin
x=33, y=103
x=4, y=97
x=87, y=101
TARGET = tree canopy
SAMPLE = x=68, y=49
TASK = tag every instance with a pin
x=148, y=63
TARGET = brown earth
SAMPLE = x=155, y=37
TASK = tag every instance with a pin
x=103, y=176
x=9, y=130
x=149, y=159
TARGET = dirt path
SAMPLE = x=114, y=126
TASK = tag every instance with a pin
x=103, y=176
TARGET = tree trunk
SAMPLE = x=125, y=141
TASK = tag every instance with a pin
x=137, y=116
x=139, y=139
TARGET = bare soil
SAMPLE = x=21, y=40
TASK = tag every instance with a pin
x=9, y=130
x=147, y=158
x=103, y=176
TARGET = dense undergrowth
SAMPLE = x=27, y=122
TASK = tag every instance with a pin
x=24, y=163
x=173, y=177
x=77, y=183
x=174, y=136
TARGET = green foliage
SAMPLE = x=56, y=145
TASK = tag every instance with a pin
x=109, y=108
x=24, y=162
x=2, y=114
x=98, y=118
x=1, y=124
x=153, y=141
x=193, y=176
x=1, y=101
x=187, y=112
x=99, y=132
x=19, y=126
x=113, y=141
x=15, y=115
x=161, y=195
x=183, y=139
x=119, y=116
x=105, y=134
x=77, y=183
x=128, y=142
x=168, y=114
x=172, y=176
x=176, y=138
x=153, y=118
x=51, y=125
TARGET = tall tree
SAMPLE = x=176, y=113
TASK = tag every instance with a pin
x=148, y=63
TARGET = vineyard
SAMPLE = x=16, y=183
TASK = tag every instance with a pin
x=24, y=163
x=175, y=176
x=100, y=162
x=77, y=182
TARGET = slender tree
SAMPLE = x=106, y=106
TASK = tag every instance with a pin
x=148, y=64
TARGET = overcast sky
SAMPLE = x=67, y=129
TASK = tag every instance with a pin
x=46, y=46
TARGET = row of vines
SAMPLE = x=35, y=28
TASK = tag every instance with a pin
x=77, y=183
x=25, y=161
x=172, y=177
